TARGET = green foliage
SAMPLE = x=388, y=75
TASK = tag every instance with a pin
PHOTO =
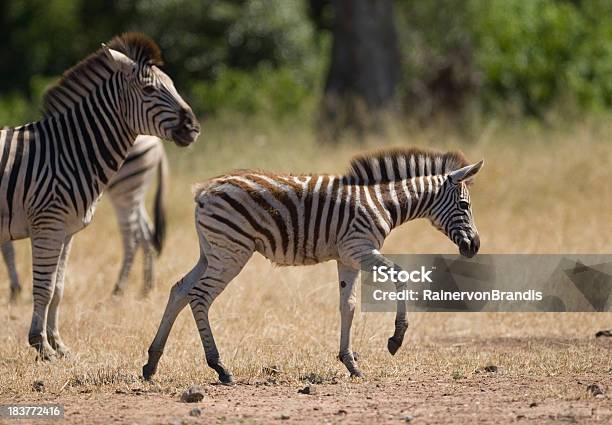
x=276, y=92
x=249, y=55
x=263, y=56
x=530, y=55
x=541, y=51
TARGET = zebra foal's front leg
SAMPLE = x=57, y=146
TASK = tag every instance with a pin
x=8, y=252
x=347, y=279
x=374, y=258
x=46, y=252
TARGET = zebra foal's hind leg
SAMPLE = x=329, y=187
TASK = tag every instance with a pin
x=47, y=249
x=223, y=265
x=176, y=303
x=8, y=252
x=347, y=279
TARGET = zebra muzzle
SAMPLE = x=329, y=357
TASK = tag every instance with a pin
x=468, y=248
x=187, y=130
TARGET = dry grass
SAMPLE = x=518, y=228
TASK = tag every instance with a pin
x=543, y=192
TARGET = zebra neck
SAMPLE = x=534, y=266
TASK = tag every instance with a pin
x=92, y=134
x=409, y=199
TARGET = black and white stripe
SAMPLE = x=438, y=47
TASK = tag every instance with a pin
x=53, y=171
x=127, y=191
x=299, y=220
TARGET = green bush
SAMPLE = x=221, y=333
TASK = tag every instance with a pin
x=276, y=92
x=532, y=55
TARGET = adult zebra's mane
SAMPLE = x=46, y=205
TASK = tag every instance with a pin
x=83, y=75
x=403, y=163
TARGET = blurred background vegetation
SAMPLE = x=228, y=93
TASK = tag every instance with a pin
x=333, y=64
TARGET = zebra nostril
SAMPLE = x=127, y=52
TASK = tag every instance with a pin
x=187, y=120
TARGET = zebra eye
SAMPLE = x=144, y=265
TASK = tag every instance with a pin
x=148, y=89
x=464, y=205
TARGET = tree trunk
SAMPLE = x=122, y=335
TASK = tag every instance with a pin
x=365, y=66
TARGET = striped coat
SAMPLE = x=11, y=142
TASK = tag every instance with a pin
x=127, y=191
x=299, y=220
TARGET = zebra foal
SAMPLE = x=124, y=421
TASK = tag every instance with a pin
x=53, y=171
x=127, y=191
x=308, y=219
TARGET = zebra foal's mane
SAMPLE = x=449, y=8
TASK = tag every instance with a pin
x=394, y=164
x=384, y=166
x=68, y=90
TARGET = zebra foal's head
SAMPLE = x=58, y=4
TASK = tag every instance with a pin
x=451, y=211
x=152, y=104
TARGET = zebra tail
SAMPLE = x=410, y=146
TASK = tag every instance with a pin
x=159, y=233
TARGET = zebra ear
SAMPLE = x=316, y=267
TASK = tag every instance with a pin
x=119, y=61
x=465, y=174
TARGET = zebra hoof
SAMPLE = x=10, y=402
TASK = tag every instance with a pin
x=46, y=354
x=393, y=345
x=117, y=292
x=357, y=374
x=148, y=371
x=63, y=352
x=226, y=379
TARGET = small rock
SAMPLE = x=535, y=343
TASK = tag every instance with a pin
x=196, y=411
x=520, y=417
x=308, y=389
x=606, y=333
x=490, y=368
x=408, y=418
x=341, y=412
x=285, y=417
x=39, y=385
x=193, y=395
x=596, y=390
x=534, y=404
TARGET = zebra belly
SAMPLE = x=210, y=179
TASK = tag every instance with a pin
x=303, y=257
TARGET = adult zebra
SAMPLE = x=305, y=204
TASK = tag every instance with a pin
x=53, y=171
x=127, y=191
x=299, y=220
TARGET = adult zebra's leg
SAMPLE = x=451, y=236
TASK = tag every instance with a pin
x=146, y=241
x=128, y=225
x=8, y=252
x=176, y=303
x=53, y=315
x=223, y=266
x=347, y=277
x=46, y=252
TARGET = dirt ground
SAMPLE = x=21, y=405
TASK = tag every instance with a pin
x=482, y=396
x=487, y=398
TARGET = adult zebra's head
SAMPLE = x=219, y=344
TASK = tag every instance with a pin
x=151, y=103
x=451, y=211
